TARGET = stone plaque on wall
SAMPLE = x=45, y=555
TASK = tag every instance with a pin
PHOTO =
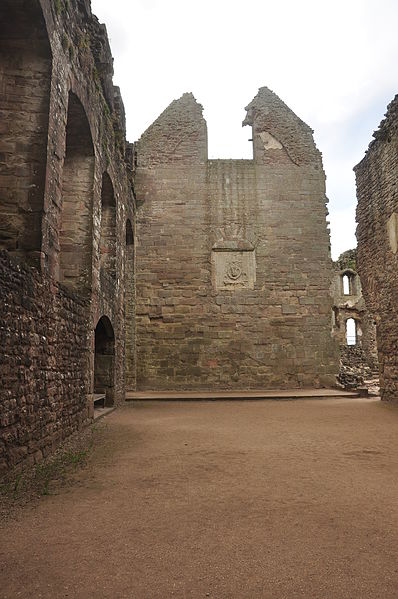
x=233, y=269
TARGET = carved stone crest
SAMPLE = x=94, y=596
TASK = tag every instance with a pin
x=233, y=269
x=234, y=273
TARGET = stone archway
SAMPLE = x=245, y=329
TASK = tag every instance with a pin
x=104, y=362
x=108, y=228
x=75, y=238
x=25, y=81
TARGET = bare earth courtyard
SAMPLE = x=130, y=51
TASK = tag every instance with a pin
x=273, y=499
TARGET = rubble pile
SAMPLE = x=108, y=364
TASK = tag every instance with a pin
x=354, y=370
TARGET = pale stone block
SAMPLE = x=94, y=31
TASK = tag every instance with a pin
x=392, y=232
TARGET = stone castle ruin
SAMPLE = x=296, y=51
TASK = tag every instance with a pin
x=233, y=265
x=147, y=266
x=66, y=226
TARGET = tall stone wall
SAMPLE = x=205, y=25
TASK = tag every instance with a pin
x=65, y=203
x=233, y=265
x=377, y=234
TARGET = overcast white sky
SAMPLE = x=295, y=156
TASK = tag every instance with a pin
x=334, y=62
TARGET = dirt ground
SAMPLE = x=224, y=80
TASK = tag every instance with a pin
x=255, y=499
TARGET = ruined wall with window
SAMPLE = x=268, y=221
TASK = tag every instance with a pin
x=353, y=326
x=377, y=235
x=65, y=201
x=233, y=265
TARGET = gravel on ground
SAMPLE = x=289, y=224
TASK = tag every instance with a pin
x=241, y=499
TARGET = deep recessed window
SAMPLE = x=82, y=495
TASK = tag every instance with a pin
x=77, y=199
x=346, y=285
x=108, y=227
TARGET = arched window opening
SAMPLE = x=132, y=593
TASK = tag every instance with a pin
x=75, y=237
x=104, y=363
x=349, y=283
x=108, y=227
x=346, y=285
x=130, y=307
x=351, y=331
x=25, y=79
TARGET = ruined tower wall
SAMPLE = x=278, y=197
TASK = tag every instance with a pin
x=65, y=198
x=377, y=234
x=233, y=266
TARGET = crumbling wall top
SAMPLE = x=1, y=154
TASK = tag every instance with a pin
x=179, y=134
x=347, y=260
x=387, y=129
x=276, y=126
x=85, y=39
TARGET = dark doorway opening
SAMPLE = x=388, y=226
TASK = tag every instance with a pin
x=104, y=363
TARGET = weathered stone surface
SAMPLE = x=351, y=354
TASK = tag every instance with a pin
x=233, y=264
x=25, y=76
x=65, y=200
x=377, y=192
x=354, y=369
x=44, y=363
x=233, y=270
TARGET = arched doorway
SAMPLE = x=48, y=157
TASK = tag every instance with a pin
x=25, y=80
x=104, y=362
